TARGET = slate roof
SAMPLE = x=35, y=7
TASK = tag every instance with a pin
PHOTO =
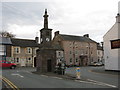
x=76, y=38
x=24, y=42
x=50, y=45
x=5, y=41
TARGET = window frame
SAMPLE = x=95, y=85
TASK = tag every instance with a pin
x=28, y=50
x=17, y=50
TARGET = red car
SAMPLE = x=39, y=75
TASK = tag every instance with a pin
x=5, y=64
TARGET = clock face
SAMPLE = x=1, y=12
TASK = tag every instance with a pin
x=47, y=39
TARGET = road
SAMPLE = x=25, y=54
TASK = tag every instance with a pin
x=23, y=78
x=90, y=74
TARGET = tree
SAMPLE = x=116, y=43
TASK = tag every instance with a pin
x=6, y=34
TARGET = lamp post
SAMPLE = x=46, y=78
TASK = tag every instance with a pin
x=74, y=52
x=89, y=53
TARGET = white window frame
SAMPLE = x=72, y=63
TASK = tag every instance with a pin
x=2, y=50
x=16, y=50
x=29, y=50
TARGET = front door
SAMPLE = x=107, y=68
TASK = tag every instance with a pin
x=22, y=62
x=35, y=62
x=49, y=65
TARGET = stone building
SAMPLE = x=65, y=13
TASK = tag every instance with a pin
x=100, y=53
x=23, y=51
x=49, y=53
x=78, y=50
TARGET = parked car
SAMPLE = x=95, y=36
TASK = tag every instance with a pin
x=7, y=64
x=96, y=64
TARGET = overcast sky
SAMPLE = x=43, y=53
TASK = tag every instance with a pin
x=74, y=17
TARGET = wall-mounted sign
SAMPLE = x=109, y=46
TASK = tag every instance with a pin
x=115, y=44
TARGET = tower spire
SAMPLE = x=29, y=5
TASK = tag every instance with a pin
x=46, y=19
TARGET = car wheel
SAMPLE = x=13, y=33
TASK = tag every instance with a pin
x=12, y=67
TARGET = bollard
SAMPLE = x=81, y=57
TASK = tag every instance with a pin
x=78, y=73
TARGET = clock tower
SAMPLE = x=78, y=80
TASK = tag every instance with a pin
x=45, y=32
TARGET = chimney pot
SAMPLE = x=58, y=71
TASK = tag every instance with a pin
x=56, y=33
x=118, y=18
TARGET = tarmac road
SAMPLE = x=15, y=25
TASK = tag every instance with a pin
x=23, y=78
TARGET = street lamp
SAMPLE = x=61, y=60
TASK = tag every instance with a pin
x=89, y=53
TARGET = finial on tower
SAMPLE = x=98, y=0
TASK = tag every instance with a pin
x=45, y=19
x=45, y=11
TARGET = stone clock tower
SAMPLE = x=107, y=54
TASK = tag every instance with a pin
x=48, y=50
x=45, y=33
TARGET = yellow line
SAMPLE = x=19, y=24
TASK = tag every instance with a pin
x=101, y=73
x=10, y=84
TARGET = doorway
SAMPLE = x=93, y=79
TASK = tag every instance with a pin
x=34, y=61
x=49, y=65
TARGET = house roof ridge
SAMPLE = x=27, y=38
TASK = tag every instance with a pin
x=23, y=39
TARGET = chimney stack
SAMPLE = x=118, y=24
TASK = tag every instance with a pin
x=86, y=35
x=56, y=33
x=36, y=39
x=118, y=18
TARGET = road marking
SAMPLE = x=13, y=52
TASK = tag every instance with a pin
x=28, y=72
x=17, y=75
x=102, y=83
x=14, y=87
x=44, y=75
x=57, y=77
x=101, y=73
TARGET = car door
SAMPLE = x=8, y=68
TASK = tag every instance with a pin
x=7, y=64
x=0, y=63
x=3, y=64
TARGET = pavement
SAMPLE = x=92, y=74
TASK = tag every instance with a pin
x=103, y=71
x=100, y=70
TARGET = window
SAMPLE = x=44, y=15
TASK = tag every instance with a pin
x=29, y=50
x=17, y=60
x=70, y=52
x=2, y=50
x=16, y=50
x=76, y=52
x=91, y=52
x=29, y=58
x=76, y=59
x=86, y=52
x=70, y=59
x=59, y=53
x=98, y=53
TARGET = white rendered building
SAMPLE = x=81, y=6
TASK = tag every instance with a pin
x=112, y=47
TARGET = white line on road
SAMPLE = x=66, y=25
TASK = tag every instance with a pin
x=16, y=74
x=57, y=77
x=96, y=83
x=102, y=83
x=28, y=72
x=44, y=75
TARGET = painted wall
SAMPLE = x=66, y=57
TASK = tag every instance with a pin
x=111, y=55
